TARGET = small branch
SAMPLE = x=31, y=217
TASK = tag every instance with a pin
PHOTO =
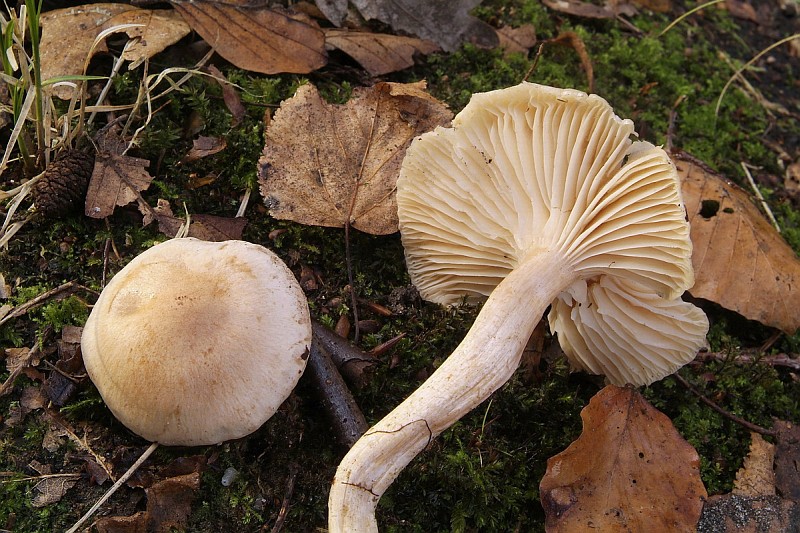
x=287, y=497
x=134, y=467
x=730, y=416
x=337, y=400
x=62, y=291
x=781, y=359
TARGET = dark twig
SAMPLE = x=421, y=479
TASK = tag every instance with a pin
x=351, y=362
x=287, y=497
x=673, y=116
x=346, y=417
x=723, y=412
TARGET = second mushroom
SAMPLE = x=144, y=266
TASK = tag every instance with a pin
x=535, y=197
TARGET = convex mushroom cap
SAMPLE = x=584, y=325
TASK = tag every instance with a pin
x=196, y=342
x=535, y=196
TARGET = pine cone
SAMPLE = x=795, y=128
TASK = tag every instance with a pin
x=63, y=187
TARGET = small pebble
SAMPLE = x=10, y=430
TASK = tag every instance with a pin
x=229, y=476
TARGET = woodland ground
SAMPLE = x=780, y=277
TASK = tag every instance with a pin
x=483, y=474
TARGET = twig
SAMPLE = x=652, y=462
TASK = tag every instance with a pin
x=337, y=400
x=351, y=362
x=134, y=467
x=535, y=63
x=61, y=291
x=82, y=443
x=753, y=186
x=780, y=359
x=673, y=116
x=287, y=496
x=721, y=411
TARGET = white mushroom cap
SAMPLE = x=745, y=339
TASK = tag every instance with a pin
x=534, y=169
x=198, y=342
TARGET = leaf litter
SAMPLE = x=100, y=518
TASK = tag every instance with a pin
x=336, y=165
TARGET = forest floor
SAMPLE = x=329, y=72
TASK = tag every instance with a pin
x=483, y=474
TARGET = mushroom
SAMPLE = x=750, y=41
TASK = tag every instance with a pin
x=198, y=342
x=536, y=196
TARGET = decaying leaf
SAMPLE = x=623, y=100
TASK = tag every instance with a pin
x=68, y=35
x=756, y=477
x=203, y=227
x=448, y=24
x=328, y=165
x=51, y=489
x=334, y=10
x=230, y=96
x=629, y=470
x=740, y=261
x=256, y=37
x=168, y=507
x=519, y=40
x=587, y=10
x=379, y=53
x=204, y=146
x=117, y=180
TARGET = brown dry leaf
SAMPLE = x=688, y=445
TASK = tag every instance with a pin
x=629, y=470
x=659, y=6
x=203, y=147
x=449, y=24
x=257, y=38
x=51, y=489
x=756, y=477
x=327, y=165
x=203, y=227
x=587, y=10
x=169, y=504
x=379, y=53
x=117, y=180
x=792, y=180
x=519, y=40
x=230, y=96
x=740, y=261
x=68, y=35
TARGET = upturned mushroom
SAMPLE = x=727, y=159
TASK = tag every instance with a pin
x=535, y=197
x=198, y=342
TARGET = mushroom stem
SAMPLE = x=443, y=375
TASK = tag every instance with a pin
x=481, y=364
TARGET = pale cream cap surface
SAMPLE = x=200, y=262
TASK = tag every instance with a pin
x=197, y=342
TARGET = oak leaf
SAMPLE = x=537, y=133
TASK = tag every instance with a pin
x=333, y=165
x=740, y=261
x=629, y=470
x=257, y=38
x=68, y=35
x=379, y=53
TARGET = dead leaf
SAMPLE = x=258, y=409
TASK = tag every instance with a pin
x=741, y=10
x=659, y=6
x=169, y=504
x=792, y=181
x=629, y=470
x=230, y=96
x=333, y=10
x=328, y=165
x=379, y=53
x=117, y=180
x=203, y=147
x=587, y=10
x=740, y=261
x=51, y=489
x=448, y=24
x=68, y=35
x=203, y=227
x=787, y=460
x=257, y=38
x=519, y=40
x=756, y=477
